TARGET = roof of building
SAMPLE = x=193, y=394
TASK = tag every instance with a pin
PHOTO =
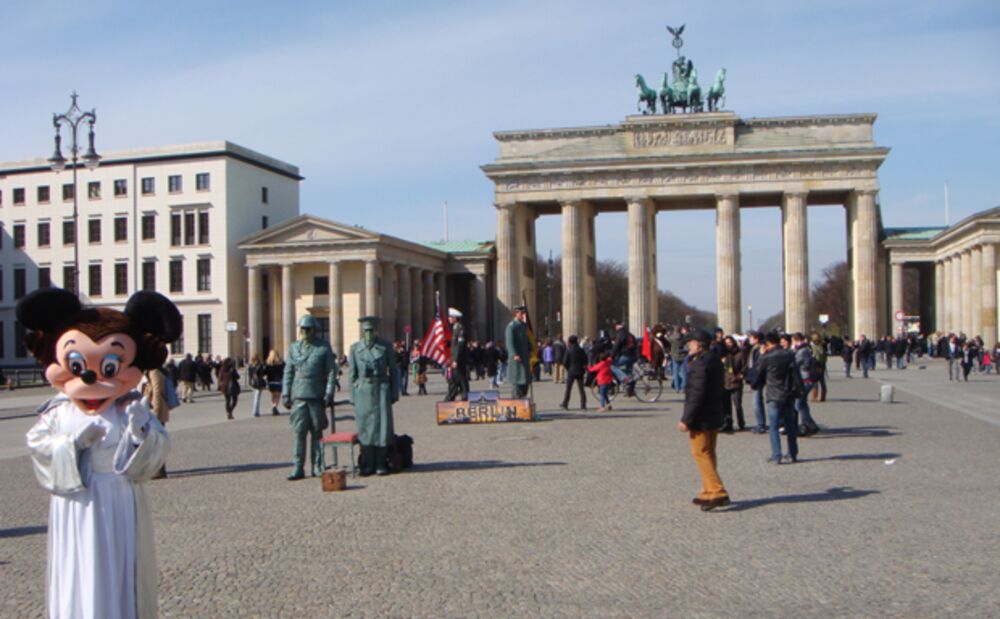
x=463, y=247
x=920, y=233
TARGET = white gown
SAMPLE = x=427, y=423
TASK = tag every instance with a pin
x=102, y=562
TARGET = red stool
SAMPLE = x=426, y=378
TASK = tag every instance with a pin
x=341, y=439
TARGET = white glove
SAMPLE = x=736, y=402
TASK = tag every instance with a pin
x=138, y=419
x=89, y=435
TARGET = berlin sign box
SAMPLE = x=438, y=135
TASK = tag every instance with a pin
x=484, y=410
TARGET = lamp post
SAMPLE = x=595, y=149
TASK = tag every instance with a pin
x=750, y=318
x=72, y=119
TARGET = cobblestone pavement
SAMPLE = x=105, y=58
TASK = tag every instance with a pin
x=891, y=512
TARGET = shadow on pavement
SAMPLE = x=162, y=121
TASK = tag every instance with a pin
x=552, y=416
x=229, y=468
x=474, y=465
x=23, y=531
x=832, y=494
x=881, y=456
x=859, y=431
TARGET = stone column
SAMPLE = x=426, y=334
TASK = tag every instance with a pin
x=274, y=289
x=897, y=292
x=638, y=264
x=371, y=307
x=336, y=304
x=389, y=296
x=287, y=308
x=404, y=316
x=417, y=285
x=864, y=238
x=727, y=261
x=479, y=315
x=254, y=324
x=654, y=301
x=989, y=296
x=965, y=264
x=796, y=262
x=955, y=301
x=589, y=253
x=573, y=266
x=976, y=291
x=508, y=264
x=939, y=287
x=428, y=279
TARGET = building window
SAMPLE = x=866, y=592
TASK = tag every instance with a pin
x=121, y=278
x=202, y=181
x=204, y=274
x=321, y=285
x=18, y=236
x=20, y=283
x=44, y=277
x=263, y=222
x=18, y=196
x=121, y=188
x=1, y=284
x=174, y=183
x=68, y=278
x=121, y=228
x=203, y=228
x=3, y=351
x=68, y=191
x=176, y=275
x=148, y=227
x=69, y=232
x=149, y=275
x=43, y=194
x=177, y=346
x=175, y=229
x=94, y=279
x=94, y=190
x=148, y=186
x=263, y=195
x=205, y=333
x=44, y=238
x=94, y=230
x=189, y=228
x=20, y=350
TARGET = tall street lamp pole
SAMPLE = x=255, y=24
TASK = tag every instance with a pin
x=72, y=119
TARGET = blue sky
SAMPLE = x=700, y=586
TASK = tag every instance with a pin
x=388, y=108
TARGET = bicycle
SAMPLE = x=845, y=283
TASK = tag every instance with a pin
x=646, y=381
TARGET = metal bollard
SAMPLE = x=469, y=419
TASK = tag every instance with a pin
x=886, y=394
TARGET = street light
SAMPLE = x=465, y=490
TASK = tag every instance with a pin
x=72, y=119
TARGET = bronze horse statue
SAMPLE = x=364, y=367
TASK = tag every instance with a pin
x=646, y=95
x=717, y=91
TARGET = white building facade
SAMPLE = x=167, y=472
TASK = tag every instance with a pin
x=165, y=219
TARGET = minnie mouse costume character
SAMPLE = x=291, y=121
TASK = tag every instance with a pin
x=94, y=445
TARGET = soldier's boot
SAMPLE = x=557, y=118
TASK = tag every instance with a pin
x=299, y=458
x=367, y=464
x=316, y=453
x=381, y=460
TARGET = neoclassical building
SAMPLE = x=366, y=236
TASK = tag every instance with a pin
x=339, y=273
x=958, y=273
x=716, y=161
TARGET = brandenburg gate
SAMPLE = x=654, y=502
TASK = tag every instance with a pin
x=709, y=160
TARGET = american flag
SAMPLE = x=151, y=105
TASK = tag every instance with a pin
x=438, y=337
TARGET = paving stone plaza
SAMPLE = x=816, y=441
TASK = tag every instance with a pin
x=891, y=512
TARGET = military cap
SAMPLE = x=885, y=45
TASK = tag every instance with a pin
x=308, y=322
x=520, y=308
x=369, y=322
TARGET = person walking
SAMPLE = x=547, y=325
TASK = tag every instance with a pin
x=969, y=355
x=865, y=355
x=155, y=392
x=703, y=417
x=257, y=378
x=776, y=375
x=807, y=368
x=847, y=354
x=491, y=357
x=275, y=372
x=953, y=352
x=605, y=378
x=574, y=360
x=418, y=364
x=187, y=372
x=519, y=350
x=734, y=364
x=403, y=360
x=229, y=385
x=678, y=357
x=559, y=358
x=818, y=348
x=753, y=361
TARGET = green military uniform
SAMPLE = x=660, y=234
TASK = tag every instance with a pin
x=374, y=377
x=307, y=388
x=458, y=377
x=516, y=337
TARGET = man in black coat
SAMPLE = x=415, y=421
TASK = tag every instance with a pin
x=458, y=378
x=703, y=417
x=780, y=378
x=575, y=361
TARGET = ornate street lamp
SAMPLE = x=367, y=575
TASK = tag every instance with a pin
x=72, y=119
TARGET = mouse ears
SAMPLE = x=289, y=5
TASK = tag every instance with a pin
x=47, y=308
x=152, y=313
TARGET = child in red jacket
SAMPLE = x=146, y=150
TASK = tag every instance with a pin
x=605, y=379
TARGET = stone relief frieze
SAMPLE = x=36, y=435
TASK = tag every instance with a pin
x=680, y=137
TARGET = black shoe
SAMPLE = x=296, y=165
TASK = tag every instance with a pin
x=274, y=411
x=296, y=475
x=382, y=472
x=711, y=504
x=790, y=459
x=564, y=407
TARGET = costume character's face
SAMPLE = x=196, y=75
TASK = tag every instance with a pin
x=369, y=335
x=305, y=334
x=94, y=374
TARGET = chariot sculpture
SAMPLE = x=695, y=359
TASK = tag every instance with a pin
x=683, y=92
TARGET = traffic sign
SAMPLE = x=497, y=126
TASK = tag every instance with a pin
x=232, y=327
x=900, y=315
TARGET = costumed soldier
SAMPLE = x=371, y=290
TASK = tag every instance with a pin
x=307, y=389
x=519, y=349
x=458, y=379
x=374, y=376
